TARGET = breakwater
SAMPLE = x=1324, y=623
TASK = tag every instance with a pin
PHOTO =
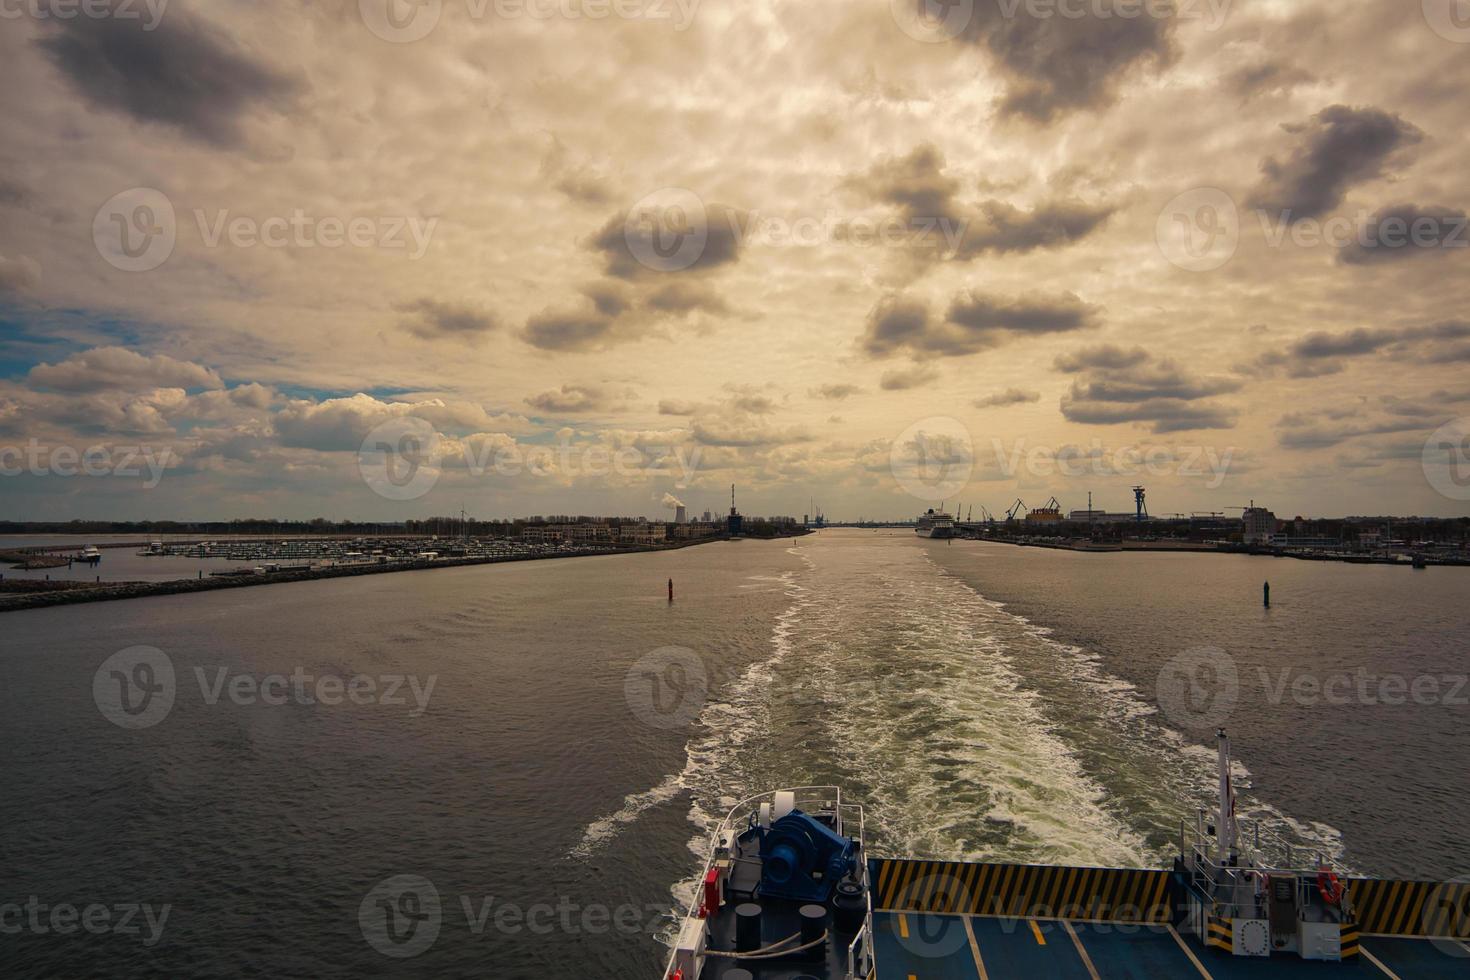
x=29, y=598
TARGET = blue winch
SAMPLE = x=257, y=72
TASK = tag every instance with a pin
x=802, y=859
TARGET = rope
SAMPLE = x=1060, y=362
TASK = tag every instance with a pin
x=771, y=951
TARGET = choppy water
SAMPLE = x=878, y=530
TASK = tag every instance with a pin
x=580, y=732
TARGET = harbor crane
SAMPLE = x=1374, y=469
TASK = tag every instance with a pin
x=1016, y=508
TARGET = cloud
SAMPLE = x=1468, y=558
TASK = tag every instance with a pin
x=567, y=329
x=671, y=502
x=1319, y=352
x=684, y=297
x=1058, y=64
x=184, y=73
x=834, y=392
x=1336, y=149
x=744, y=433
x=1118, y=387
x=1323, y=429
x=117, y=367
x=637, y=249
x=902, y=379
x=570, y=398
x=917, y=185
x=1002, y=227
x=1011, y=396
x=975, y=321
x=579, y=182
x=1101, y=356
x=1404, y=231
x=610, y=298
x=1267, y=77
x=19, y=274
x=678, y=406
x=753, y=404
x=434, y=320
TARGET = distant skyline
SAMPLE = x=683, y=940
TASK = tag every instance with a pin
x=375, y=261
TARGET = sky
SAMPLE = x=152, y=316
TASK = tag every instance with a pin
x=382, y=259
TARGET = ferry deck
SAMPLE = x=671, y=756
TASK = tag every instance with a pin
x=926, y=946
x=789, y=893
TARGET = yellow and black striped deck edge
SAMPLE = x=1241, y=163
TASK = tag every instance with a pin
x=994, y=888
x=1411, y=908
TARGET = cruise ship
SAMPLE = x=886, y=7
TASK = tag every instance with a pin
x=934, y=524
x=790, y=892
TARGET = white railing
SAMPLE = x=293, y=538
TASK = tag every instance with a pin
x=1224, y=882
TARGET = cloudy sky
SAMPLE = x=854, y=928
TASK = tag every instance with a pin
x=384, y=259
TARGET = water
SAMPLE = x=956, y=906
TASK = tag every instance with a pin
x=985, y=701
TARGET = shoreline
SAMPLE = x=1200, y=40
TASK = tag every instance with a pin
x=1193, y=548
x=44, y=598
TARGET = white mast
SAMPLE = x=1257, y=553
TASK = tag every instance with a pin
x=1225, y=825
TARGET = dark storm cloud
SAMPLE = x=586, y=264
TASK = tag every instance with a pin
x=1120, y=387
x=1056, y=64
x=431, y=319
x=1337, y=148
x=974, y=322
x=184, y=73
x=917, y=185
x=1403, y=231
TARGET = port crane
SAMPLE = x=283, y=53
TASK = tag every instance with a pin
x=1016, y=508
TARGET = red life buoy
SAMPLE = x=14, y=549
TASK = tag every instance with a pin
x=1330, y=886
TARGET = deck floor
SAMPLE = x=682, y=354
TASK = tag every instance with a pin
x=915, y=946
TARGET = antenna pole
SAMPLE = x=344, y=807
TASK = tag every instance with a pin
x=1225, y=831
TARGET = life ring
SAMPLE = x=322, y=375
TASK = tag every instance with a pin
x=1330, y=885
